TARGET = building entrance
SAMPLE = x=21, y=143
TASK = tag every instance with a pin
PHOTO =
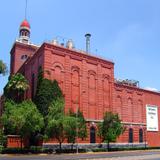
x=92, y=135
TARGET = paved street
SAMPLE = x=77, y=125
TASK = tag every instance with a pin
x=129, y=155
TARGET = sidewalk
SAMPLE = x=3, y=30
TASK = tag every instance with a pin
x=146, y=157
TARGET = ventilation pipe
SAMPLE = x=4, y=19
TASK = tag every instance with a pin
x=88, y=35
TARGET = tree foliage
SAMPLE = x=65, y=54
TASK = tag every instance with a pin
x=63, y=126
x=110, y=128
x=55, y=121
x=22, y=119
x=56, y=109
x=70, y=127
x=3, y=68
x=81, y=124
x=39, y=79
x=40, y=76
x=47, y=91
x=26, y=119
x=57, y=92
x=3, y=138
x=44, y=96
x=16, y=87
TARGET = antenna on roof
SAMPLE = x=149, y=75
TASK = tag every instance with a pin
x=26, y=9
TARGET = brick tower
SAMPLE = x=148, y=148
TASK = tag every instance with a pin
x=22, y=48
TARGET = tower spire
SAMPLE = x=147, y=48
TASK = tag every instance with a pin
x=24, y=31
x=26, y=5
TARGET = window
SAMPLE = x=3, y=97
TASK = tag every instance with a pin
x=25, y=33
x=130, y=140
x=22, y=33
x=24, y=57
x=141, y=135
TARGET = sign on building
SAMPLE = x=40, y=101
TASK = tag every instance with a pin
x=152, y=117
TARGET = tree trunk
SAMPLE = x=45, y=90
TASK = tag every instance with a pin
x=108, y=146
x=72, y=146
x=60, y=146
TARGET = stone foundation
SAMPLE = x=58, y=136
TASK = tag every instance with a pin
x=89, y=146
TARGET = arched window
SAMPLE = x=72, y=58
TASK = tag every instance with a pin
x=141, y=135
x=106, y=92
x=26, y=33
x=92, y=95
x=118, y=106
x=24, y=57
x=92, y=135
x=75, y=88
x=128, y=111
x=130, y=140
x=22, y=33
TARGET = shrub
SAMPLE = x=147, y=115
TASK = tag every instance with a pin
x=99, y=150
x=58, y=151
x=1, y=148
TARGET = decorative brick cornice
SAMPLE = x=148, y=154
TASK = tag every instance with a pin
x=83, y=55
x=134, y=123
x=139, y=91
x=125, y=123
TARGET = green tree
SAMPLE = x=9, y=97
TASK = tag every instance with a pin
x=81, y=124
x=47, y=91
x=3, y=138
x=56, y=109
x=40, y=76
x=57, y=92
x=39, y=79
x=3, y=68
x=9, y=107
x=22, y=119
x=55, y=121
x=44, y=96
x=16, y=87
x=60, y=126
x=110, y=128
x=82, y=128
x=70, y=127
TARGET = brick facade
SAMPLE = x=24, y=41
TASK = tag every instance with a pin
x=88, y=82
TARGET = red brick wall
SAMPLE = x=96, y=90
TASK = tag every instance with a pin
x=14, y=141
x=17, y=51
x=130, y=103
x=153, y=138
x=88, y=82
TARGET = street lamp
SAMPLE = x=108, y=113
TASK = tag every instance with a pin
x=77, y=121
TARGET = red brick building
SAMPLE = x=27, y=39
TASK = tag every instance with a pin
x=88, y=82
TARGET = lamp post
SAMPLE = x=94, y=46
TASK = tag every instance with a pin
x=77, y=122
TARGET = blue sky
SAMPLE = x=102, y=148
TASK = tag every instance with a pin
x=126, y=31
